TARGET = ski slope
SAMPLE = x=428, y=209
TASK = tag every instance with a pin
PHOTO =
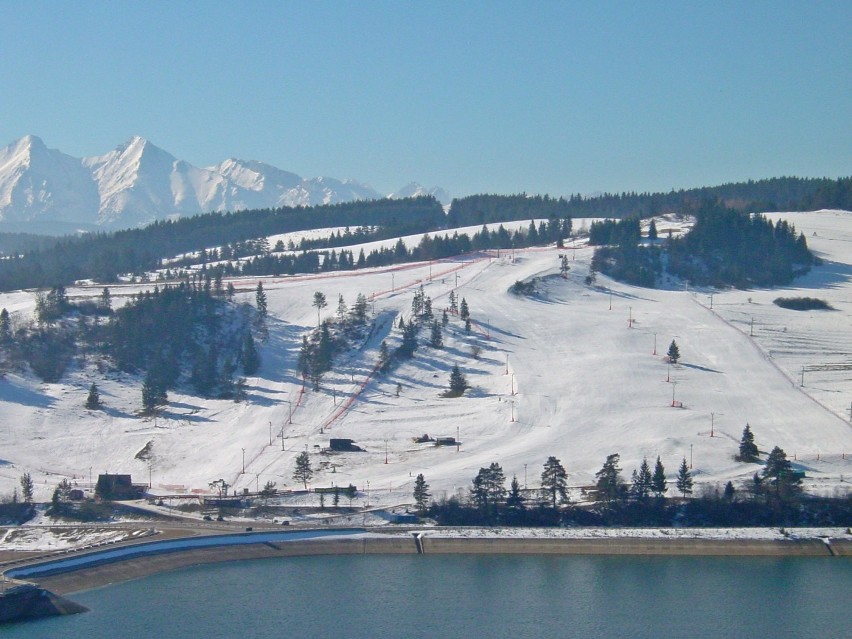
x=570, y=371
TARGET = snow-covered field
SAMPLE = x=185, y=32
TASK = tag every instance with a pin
x=560, y=373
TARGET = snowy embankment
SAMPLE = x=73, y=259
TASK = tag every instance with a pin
x=774, y=534
x=575, y=371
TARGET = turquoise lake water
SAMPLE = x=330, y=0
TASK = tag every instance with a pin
x=468, y=596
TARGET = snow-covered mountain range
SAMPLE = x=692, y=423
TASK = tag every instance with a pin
x=43, y=190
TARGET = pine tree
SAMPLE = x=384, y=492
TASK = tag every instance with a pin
x=458, y=382
x=105, y=301
x=464, y=311
x=93, y=401
x=384, y=357
x=249, y=356
x=674, y=352
x=341, y=309
x=748, y=449
x=320, y=303
x=409, y=339
x=260, y=301
x=5, y=327
x=729, y=491
x=515, y=500
x=488, y=487
x=303, y=471
x=359, y=310
x=642, y=481
x=554, y=481
x=658, y=480
x=421, y=494
x=652, y=231
x=608, y=479
x=467, y=325
x=436, y=339
x=303, y=364
x=684, y=478
x=427, y=309
x=780, y=471
x=445, y=319
x=27, y=487
x=454, y=307
x=153, y=392
x=417, y=302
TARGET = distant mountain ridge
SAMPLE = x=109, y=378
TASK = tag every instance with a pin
x=46, y=191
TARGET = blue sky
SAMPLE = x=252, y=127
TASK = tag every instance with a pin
x=504, y=97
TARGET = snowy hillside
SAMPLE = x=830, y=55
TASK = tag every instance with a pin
x=45, y=191
x=574, y=370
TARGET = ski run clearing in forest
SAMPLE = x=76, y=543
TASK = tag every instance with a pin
x=569, y=371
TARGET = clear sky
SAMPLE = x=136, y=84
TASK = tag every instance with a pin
x=542, y=97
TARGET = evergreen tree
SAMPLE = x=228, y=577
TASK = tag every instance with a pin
x=674, y=352
x=515, y=500
x=445, y=320
x=729, y=491
x=467, y=325
x=250, y=358
x=417, y=302
x=642, y=483
x=436, y=339
x=105, y=301
x=303, y=364
x=27, y=487
x=652, y=231
x=454, y=308
x=409, y=339
x=359, y=310
x=384, y=357
x=464, y=311
x=421, y=494
x=608, y=482
x=554, y=481
x=427, y=309
x=341, y=309
x=458, y=382
x=780, y=471
x=303, y=471
x=153, y=392
x=684, y=478
x=5, y=327
x=320, y=303
x=748, y=449
x=658, y=480
x=260, y=301
x=488, y=487
x=93, y=401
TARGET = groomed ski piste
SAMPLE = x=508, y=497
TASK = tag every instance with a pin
x=574, y=370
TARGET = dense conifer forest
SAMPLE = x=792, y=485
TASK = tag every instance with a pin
x=36, y=262
x=189, y=333
x=724, y=248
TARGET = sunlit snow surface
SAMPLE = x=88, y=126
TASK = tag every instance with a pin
x=586, y=384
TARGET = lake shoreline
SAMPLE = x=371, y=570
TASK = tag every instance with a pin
x=440, y=542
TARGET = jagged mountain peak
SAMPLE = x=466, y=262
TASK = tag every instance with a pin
x=138, y=182
x=414, y=189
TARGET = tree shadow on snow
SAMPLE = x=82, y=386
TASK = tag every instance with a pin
x=700, y=368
